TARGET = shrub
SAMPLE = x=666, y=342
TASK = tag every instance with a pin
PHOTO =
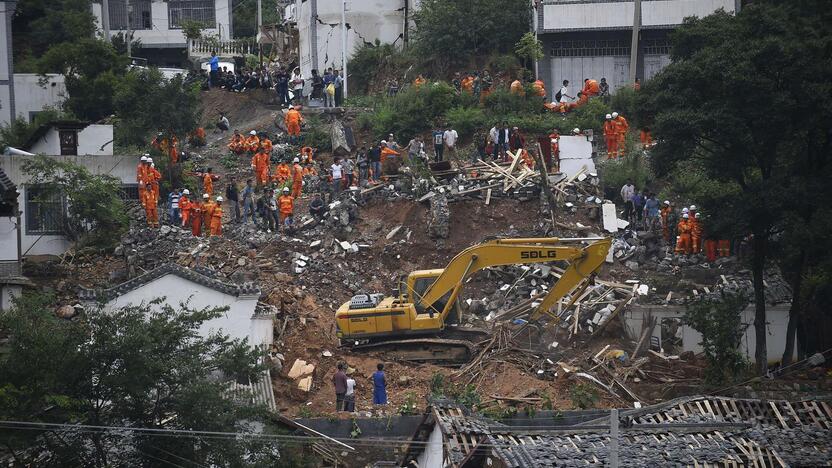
x=505, y=63
x=317, y=134
x=583, y=395
x=465, y=120
x=18, y=132
x=720, y=323
x=590, y=115
x=502, y=102
x=624, y=102
x=616, y=172
x=413, y=110
x=371, y=61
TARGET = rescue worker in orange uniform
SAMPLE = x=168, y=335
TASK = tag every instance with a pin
x=516, y=88
x=419, y=81
x=266, y=146
x=683, y=243
x=297, y=178
x=539, y=88
x=282, y=173
x=152, y=181
x=207, y=212
x=582, y=99
x=196, y=216
x=216, y=218
x=526, y=158
x=611, y=136
x=309, y=170
x=208, y=182
x=646, y=138
x=468, y=84
x=293, y=121
x=591, y=88
x=554, y=148
x=237, y=144
x=664, y=213
x=141, y=175
x=696, y=234
x=621, y=128
x=252, y=142
x=260, y=164
x=197, y=137
x=173, y=150
x=151, y=208
x=185, y=206
x=306, y=155
x=286, y=205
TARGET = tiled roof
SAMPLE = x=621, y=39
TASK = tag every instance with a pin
x=6, y=184
x=257, y=392
x=202, y=276
x=692, y=431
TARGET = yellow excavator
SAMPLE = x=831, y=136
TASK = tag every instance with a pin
x=415, y=324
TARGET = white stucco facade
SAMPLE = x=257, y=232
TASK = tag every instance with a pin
x=238, y=322
x=93, y=140
x=160, y=35
x=777, y=319
x=38, y=243
x=7, y=110
x=320, y=41
x=33, y=93
x=570, y=16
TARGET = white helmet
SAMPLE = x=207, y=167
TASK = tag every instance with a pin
x=667, y=202
x=609, y=116
x=693, y=207
x=296, y=160
x=697, y=215
x=252, y=132
x=149, y=159
x=554, y=140
x=684, y=210
x=144, y=158
x=576, y=130
x=614, y=114
x=186, y=192
x=205, y=195
x=219, y=199
x=152, y=165
x=685, y=216
x=285, y=189
x=383, y=142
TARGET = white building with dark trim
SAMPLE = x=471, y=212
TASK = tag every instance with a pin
x=592, y=38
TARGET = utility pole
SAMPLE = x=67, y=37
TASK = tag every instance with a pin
x=344, y=44
x=105, y=19
x=259, y=16
x=406, y=21
x=634, y=42
x=129, y=37
x=534, y=28
x=614, y=463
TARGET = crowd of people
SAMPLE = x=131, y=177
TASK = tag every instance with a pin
x=345, y=386
x=289, y=85
x=683, y=230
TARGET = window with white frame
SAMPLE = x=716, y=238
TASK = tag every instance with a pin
x=140, y=17
x=201, y=11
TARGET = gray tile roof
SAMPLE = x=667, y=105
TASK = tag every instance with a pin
x=202, y=276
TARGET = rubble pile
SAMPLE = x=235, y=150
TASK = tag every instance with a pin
x=146, y=248
x=439, y=219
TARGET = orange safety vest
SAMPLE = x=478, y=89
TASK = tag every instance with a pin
x=286, y=204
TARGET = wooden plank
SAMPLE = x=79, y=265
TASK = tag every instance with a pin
x=793, y=413
x=777, y=414
x=488, y=197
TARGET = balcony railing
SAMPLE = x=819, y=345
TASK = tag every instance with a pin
x=202, y=48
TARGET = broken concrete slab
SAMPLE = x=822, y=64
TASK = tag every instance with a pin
x=610, y=218
x=393, y=232
x=300, y=368
x=305, y=384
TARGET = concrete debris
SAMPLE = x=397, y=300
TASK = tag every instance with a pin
x=300, y=368
x=439, y=218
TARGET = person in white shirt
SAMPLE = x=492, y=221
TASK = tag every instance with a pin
x=296, y=82
x=336, y=171
x=450, y=136
x=349, y=397
x=564, y=92
x=627, y=192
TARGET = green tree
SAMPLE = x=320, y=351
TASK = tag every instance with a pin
x=38, y=25
x=18, y=132
x=245, y=16
x=753, y=114
x=95, y=213
x=529, y=49
x=145, y=102
x=137, y=367
x=720, y=323
x=451, y=32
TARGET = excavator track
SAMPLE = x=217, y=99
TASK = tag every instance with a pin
x=453, y=346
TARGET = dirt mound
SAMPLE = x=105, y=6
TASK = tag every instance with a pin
x=246, y=111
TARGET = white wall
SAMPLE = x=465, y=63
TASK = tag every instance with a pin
x=94, y=140
x=777, y=318
x=6, y=69
x=368, y=19
x=121, y=167
x=32, y=96
x=159, y=36
x=7, y=294
x=618, y=15
x=432, y=455
x=236, y=322
x=8, y=239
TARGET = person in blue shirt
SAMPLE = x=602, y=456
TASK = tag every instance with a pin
x=379, y=386
x=215, y=65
